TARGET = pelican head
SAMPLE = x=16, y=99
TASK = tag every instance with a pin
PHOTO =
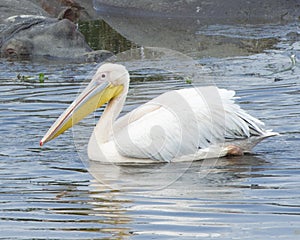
x=109, y=82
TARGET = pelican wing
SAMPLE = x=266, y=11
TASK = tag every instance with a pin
x=181, y=122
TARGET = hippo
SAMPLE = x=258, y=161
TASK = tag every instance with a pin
x=28, y=37
x=28, y=32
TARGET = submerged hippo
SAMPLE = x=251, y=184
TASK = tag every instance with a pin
x=29, y=37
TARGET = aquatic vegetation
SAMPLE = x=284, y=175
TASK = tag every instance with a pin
x=32, y=79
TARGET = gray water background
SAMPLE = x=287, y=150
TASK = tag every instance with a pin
x=48, y=193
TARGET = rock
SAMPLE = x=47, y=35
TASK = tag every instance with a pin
x=207, y=12
x=206, y=28
x=10, y=8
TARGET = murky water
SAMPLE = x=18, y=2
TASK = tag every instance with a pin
x=48, y=193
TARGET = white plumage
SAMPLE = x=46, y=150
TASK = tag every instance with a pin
x=181, y=125
x=186, y=124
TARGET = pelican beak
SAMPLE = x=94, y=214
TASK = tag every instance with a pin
x=93, y=96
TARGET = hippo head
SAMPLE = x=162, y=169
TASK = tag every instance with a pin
x=48, y=38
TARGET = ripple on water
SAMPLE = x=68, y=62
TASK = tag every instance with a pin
x=48, y=193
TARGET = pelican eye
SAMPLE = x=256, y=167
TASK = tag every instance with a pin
x=102, y=78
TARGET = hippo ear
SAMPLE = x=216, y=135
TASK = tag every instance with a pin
x=70, y=13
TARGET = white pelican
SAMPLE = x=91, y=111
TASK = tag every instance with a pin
x=187, y=124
